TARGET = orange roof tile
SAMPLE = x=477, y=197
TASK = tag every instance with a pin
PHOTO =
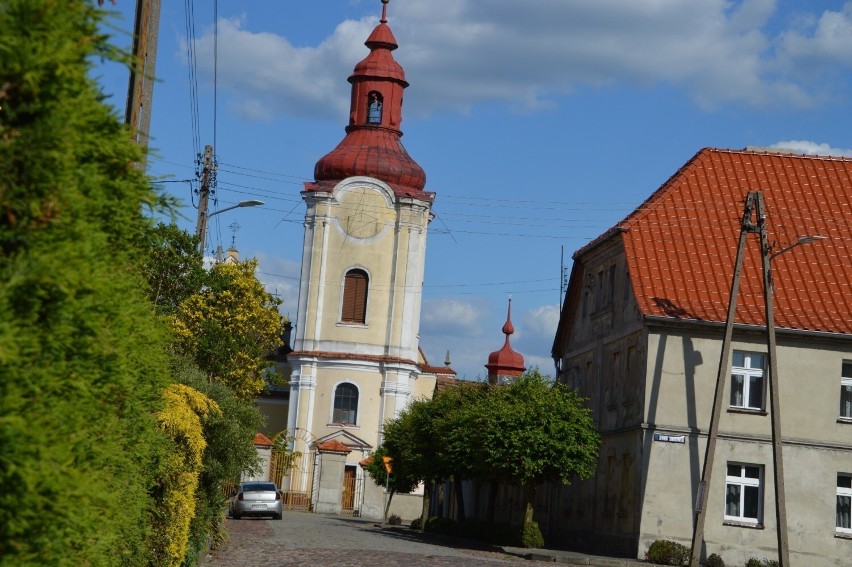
x=333, y=446
x=262, y=440
x=681, y=242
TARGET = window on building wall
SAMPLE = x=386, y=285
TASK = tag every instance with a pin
x=345, y=404
x=846, y=390
x=599, y=295
x=354, y=308
x=844, y=501
x=744, y=493
x=611, y=286
x=747, y=383
x=374, y=108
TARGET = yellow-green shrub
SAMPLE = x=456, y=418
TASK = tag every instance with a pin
x=181, y=418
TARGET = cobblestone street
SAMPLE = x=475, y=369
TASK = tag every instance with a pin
x=306, y=539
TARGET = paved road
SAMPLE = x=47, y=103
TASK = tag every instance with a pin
x=309, y=540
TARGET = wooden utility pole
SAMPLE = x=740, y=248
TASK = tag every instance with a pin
x=140, y=91
x=746, y=227
x=774, y=393
x=203, y=197
x=753, y=206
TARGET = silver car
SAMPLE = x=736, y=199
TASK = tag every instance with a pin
x=256, y=498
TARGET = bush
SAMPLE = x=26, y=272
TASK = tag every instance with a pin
x=394, y=520
x=754, y=562
x=714, y=560
x=666, y=552
x=442, y=526
x=531, y=535
x=415, y=524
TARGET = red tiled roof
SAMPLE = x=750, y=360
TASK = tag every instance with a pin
x=429, y=369
x=333, y=446
x=262, y=440
x=681, y=243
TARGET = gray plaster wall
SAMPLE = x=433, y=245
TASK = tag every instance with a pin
x=330, y=491
x=406, y=506
x=681, y=379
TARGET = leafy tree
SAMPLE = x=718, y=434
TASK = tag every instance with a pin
x=82, y=355
x=455, y=453
x=230, y=327
x=401, y=444
x=532, y=431
x=526, y=433
x=173, y=267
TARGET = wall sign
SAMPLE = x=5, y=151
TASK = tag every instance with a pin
x=669, y=438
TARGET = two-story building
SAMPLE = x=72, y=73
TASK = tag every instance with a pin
x=640, y=335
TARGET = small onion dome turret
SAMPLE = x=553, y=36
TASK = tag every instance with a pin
x=505, y=364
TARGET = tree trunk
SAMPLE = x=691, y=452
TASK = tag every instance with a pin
x=529, y=496
x=387, y=506
x=427, y=504
x=457, y=482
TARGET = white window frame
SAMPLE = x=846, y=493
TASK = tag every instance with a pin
x=845, y=382
x=747, y=373
x=743, y=482
x=843, y=492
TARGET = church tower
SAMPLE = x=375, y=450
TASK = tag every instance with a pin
x=356, y=360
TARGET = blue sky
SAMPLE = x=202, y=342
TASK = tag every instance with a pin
x=539, y=124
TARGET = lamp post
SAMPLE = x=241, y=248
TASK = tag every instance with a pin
x=201, y=232
x=753, y=205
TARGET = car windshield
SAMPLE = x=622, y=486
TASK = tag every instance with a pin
x=259, y=487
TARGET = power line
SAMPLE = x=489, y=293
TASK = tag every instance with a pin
x=192, y=72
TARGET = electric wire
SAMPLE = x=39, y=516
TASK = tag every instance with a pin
x=192, y=72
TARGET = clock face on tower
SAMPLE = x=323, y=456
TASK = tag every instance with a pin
x=363, y=212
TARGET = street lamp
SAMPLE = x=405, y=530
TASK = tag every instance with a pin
x=203, y=218
x=753, y=207
x=808, y=239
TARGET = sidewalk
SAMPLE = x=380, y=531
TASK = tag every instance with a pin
x=546, y=555
x=570, y=557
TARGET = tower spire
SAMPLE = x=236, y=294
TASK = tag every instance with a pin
x=372, y=145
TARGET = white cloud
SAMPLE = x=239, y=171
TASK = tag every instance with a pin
x=463, y=327
x=452, y=317
x=280, y=277
x=541, y=322
x=824, y=41
x=811, y=148
x=464, y=52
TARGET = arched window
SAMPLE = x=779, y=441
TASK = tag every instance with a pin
x=374, y=108
x=354, y=308
x=345, y=404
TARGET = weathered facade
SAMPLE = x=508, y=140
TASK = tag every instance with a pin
x=641, y=333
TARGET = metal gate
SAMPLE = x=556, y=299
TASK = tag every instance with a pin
x=292, y=468
x=350, y=499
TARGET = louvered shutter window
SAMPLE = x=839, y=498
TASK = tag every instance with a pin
x=355, y=297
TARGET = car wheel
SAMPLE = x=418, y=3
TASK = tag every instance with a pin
x=235, y=516
x=276, y=517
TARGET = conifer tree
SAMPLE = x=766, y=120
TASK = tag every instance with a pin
x=82, y=357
